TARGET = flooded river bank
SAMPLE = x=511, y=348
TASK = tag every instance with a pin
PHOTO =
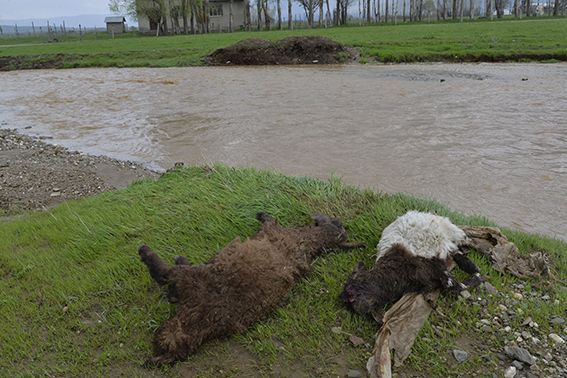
x=483, y=139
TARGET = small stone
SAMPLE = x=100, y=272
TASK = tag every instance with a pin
x=65, y=308
x=557, y=320
x=55, y=194
x=121, y=345
x=490, y=289
x=527, y=321
x=460, y=355
x=507, y=329
x=548, y=356
x=336, y=330
x=518, y=365
x=56, y=189
x=518, y=296
x=519, y=354
x=519, y=339
x=526, y=335
x=510, y=372
x=556, y=338
x=502, y=307
x=485, y=321
x=546, y=297
x=355, y=340
x=501, y=356
x=354, y=373
x=465, y=294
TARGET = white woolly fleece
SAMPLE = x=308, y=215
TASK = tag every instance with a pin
x=423, y=234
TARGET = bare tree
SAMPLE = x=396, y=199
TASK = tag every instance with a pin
x=310, y=7
x=289, y=16
x=267, y=17
x=259, y=9
x=279, y=5
x=528, y=8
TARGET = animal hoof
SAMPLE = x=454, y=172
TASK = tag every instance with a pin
x=144, y=250
x=264, y=217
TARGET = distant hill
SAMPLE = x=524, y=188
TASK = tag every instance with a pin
x=25, y=26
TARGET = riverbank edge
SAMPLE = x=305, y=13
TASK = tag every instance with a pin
x=36, y=175
x=66, y=61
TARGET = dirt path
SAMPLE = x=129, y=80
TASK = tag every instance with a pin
x=37, y=175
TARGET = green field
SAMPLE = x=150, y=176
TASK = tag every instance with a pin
x=76, y=301
x=510, y=40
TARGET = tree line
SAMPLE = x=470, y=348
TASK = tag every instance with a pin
x=193, y=16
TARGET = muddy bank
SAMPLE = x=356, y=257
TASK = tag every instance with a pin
x=28, y=62
x=36, y=175
x=291, y=50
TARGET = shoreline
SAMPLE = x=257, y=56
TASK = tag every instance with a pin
x=36, y=175
x=69, y=61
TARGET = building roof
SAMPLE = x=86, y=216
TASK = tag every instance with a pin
x=113, y=19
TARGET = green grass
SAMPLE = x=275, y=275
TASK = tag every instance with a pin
x=76, y=301
x=511, y=40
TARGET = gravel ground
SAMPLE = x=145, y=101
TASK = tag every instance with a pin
x=36, y=175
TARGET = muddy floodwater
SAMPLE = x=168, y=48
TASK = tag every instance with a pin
x=484, y=139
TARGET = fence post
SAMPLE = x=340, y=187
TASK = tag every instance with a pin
x=33, y=28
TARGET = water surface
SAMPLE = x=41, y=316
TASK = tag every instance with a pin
x=479, y=138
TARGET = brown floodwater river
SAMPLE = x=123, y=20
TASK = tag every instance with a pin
x=488, y=139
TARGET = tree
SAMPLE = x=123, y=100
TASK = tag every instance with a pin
x=289, y=16
x=123, y=7
x=279, y=3
x=310, y=7
x=154, y=10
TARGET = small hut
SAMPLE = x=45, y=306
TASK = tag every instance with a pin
x=115, y=24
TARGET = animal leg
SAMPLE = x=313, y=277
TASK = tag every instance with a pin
x=469, y=267
x=451, y=284
x=465, y=263
x=159, y=270
x=171, y=344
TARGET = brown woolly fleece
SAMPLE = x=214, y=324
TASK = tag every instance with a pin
x=243, y=284
x=399, y=272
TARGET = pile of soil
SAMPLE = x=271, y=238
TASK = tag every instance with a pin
x=37, y=175
x=291, y=50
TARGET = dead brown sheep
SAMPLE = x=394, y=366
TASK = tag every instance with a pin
x=241, y=285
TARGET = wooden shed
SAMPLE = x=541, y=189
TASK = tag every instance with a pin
x=115, y=24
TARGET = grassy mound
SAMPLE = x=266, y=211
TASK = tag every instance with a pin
x=76, y=300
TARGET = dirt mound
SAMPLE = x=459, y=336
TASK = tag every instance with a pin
x=291, y=50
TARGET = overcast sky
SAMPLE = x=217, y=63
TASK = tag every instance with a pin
x=22, y=9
